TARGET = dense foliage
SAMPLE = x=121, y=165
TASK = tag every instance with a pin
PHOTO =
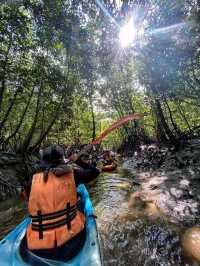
x=64, y=76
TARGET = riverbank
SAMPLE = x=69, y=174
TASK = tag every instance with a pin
x=14, y=170
x=11, y=171
x=170, y=179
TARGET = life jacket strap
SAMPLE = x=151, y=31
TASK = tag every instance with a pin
x=37, y=220
x=52, y=215
x=40, y=224
x=45, y=227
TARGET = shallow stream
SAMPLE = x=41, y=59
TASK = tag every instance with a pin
x=133, y=233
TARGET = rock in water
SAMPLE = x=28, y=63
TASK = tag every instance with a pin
x=191, y=242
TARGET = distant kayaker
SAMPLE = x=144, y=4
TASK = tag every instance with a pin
x=109, y=162
x=85, y=161
x=72, y=156
x=84, y=167
x=109, y=158
x=57, y=230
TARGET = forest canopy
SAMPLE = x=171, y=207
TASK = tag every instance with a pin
x=68, y=69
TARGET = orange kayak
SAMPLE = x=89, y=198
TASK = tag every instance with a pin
x=109, y=167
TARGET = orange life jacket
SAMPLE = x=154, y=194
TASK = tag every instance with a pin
x=49, y=200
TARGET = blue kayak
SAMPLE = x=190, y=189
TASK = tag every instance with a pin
x=90, y=255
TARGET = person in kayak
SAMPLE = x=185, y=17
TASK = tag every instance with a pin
x=72, y=156
x=82, y=175
x=85, y=161
x=57, y=230
x=109, y=162
x=109, y=159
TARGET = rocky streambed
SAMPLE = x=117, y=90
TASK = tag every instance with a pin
x=169, y=185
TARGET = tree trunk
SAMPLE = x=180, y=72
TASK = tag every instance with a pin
x=160, y=133
x=27, y=140
x=3, y=82
x=93, y=118
x=161, y=118
x=22, y=118
x=184, y=117
x=12, y=102
x=171, y=118
x=43, y=136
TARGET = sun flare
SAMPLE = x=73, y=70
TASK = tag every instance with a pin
x=127, y=34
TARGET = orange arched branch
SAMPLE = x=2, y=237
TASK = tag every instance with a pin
x=117, y=124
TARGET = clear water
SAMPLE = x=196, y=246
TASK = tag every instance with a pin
x=134, y=234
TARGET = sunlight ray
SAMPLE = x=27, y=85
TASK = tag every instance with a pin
x=103, y=8
x=168, y=29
